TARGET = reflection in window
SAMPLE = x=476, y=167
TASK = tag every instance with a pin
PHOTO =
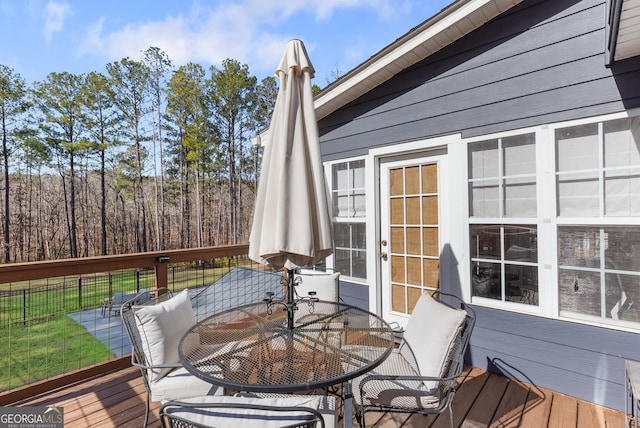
x=504, y=263
x=599, y=272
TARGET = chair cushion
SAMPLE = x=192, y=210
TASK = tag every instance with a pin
x=327, y=404
x=325, y=284
x=403, y=394
x=242, y=417
x=179, y=384
x=431, y=332
x=161, y=327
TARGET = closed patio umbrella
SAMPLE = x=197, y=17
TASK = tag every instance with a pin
x=291, y=222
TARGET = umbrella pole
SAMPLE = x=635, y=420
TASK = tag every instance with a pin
x=290, y=304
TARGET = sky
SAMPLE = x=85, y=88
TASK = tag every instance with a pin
x=79, y=36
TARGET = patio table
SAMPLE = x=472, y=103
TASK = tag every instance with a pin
x=250, y=348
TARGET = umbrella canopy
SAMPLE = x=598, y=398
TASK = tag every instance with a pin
x=291, y=221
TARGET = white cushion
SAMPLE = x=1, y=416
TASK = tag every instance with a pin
x=325, y=284
x=242, y=417
x=399, y=394
x=327, y=404
x=161, y=327
x=430, y=335
x=179, y=384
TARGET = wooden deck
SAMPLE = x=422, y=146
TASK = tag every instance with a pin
x=483, y=400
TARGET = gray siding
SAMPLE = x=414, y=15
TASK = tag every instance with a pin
x=354, y=294
x=582, y=361
x=540, y=62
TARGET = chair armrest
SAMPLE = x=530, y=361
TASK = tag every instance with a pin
x=135, y=362
x=398, y=332
x=450, y=380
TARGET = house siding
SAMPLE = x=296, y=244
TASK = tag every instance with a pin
x=540, y=62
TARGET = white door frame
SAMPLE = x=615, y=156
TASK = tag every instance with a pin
x=450, y=145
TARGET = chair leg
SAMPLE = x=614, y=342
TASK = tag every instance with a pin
x=146, y=411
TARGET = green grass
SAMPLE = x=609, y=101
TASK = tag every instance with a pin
x=39, y=350
x=38, y=340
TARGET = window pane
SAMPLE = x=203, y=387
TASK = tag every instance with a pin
x=485, y=278
x=622, y=249
x=578, y=195
x=579, y=246
x=348, y=190
x=522, y=284
x=622, y=192
x=589, y=255
x=484, y=199
x=359, y=204
x=341, y=176
x=342, y=262
x=358, y=173
x=521, y=243
x=577, y=148
x=359, y=264
x=341, y=204
x=519, y=282
x=485, y=242
x=350, y=253
x=519, y=154
x=483, y=159
x=520, y=197
x=623, y=295
x=579, y=292
x=341, y=234
x=622, y=142
x=359, y=235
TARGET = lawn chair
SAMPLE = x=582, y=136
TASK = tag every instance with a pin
x=420, y=376
x=115, y=303
x=155, y=329
x=247, y=411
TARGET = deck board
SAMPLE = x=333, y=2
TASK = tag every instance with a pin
x=483, y=399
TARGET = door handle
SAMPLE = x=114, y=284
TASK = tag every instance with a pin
x=383, y=256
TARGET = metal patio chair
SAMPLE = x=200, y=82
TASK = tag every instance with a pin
x=420, y=376
x=163, y=376
x=308, y=411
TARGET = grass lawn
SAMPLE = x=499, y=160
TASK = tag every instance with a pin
x=46, y=348
x=37, y=338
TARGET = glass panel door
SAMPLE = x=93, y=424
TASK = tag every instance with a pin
x=410, y=232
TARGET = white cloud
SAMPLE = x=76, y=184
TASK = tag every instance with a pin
x=249, y=31
x=54, y=16
x=92, y=41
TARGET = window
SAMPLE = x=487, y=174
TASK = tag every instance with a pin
x=503, y=224
x=349, y=216
x=598, y=206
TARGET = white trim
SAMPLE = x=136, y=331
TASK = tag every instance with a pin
x=439, y=157
x=372, y=169
x=548, y=222
x=414, y=146
x=594, y=119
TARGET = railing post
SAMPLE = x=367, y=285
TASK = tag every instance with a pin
x=162, y=273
